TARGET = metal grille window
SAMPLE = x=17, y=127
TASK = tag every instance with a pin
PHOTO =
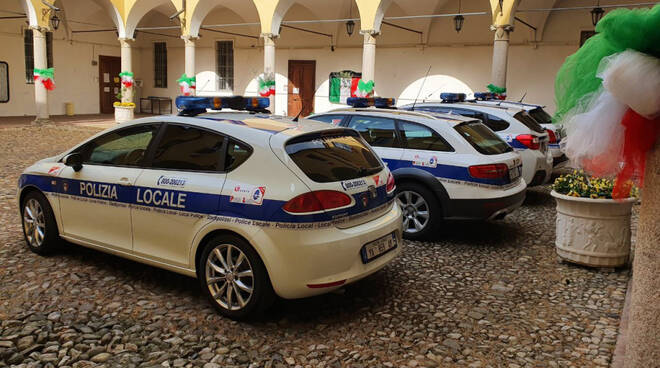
x=225, y=65
x=4, y=82
x=28, y=41
x=160, y=65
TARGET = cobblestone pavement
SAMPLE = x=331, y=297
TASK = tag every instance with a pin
x=484, y=294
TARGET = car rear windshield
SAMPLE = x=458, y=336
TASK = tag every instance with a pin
x=333, y=156
x=541, y=116
x=529, y=121
x=482, y=138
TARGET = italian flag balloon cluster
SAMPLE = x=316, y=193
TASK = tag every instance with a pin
x=45, y=76
x=266, y=85
x=608, y=97
x=187, y=85
x=126, y=79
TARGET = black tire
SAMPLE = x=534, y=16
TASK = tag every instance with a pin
x=432, y=207
x=262, y=295
x=35, y=206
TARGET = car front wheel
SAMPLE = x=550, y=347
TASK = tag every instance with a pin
x=234, y=278
x=420, y=208
x=39, y=227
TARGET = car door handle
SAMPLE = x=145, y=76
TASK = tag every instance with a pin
x=125, y=182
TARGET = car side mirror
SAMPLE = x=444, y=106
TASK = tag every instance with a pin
x=74, y=160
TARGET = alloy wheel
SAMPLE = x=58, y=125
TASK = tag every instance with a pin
x=35, y=223
x=415, y=211
x=229, y=277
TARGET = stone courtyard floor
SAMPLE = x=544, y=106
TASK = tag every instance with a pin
x=481, y=295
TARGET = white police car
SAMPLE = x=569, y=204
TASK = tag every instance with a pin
x=252, y=205
x=514, y=125
x=445, y=166
x=556, y=134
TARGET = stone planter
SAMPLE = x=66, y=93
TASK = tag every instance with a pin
x=123, y=114
x=593, y=232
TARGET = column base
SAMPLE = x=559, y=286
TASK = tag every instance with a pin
x=42, y=121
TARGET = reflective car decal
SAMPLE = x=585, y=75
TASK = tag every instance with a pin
x=196, y=202
x=449, y=172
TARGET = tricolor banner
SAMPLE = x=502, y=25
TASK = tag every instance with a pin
x=46, y=77
x=343, y=85
x=187, y=84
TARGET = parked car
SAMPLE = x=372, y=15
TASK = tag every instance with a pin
x=445, y=166
x=250, y=204
x=514, y=125
x=556, y=133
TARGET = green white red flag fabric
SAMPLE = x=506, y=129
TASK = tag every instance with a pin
x=187, y=85
x=266, y=85
x=46, y=77
x=126, y=79
x=343, y=85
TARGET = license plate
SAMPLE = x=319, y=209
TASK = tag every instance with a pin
x=378, y=247
x=515, y=173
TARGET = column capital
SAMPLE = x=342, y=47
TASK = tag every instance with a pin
x=189, y=38
x=124, y=41
x=502, y=31
x=271, y=36
x=41, y=30
x=371, y=32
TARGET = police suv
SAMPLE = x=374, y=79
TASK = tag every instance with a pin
x=251, y=204
x=514, y=125
x=556, y=134
x=445, y=166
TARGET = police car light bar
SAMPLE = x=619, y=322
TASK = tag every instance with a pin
x=452, y=97
x=370, y=101
x=194, y=105
x=483, y=96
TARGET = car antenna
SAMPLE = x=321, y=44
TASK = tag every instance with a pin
x=302, y=107
x=420, y=88
x=523, y=97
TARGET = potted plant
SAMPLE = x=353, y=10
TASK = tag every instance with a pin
x=123, y=111
x=592, y=228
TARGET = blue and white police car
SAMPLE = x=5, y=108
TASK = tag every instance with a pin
x=556, y=134
x=445, y=166
x=514, y=125
x=251, y=204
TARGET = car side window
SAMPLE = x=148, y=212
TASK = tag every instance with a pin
x=378, y=132
x=237, y=153
x=331, y=119
x=420, y=137
x=495, y=124
x=122, y=147
x=186, y=148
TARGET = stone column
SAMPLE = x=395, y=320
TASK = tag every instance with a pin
x=369, y=57
x=40, y=62
x=643, y=348
x=190, y=56
x=500, y=55
x=269, y=63
x=126, y=66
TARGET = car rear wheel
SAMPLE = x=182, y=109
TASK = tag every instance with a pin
x=234, y=278
x=421, y=211
x=39, y=226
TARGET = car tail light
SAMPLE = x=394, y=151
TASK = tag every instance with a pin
x=391, y=186
x=529, y=141
x=492, y=171
x=317, y=201
x=552, y=136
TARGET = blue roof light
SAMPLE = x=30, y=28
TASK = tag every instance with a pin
x=483, y=96
x=194, y=105
x=452, y=97
x=370, y=101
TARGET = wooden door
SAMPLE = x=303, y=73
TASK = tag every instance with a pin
x=302, y=86
x=109, y=83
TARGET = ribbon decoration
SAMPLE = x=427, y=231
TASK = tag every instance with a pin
x=365, y=89
x=187, y=84
x=126, y=79
x=499, y=92
x=266, y=85
x=45, y=76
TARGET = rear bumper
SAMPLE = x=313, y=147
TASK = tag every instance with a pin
x=484, y=209
x=296, y=259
